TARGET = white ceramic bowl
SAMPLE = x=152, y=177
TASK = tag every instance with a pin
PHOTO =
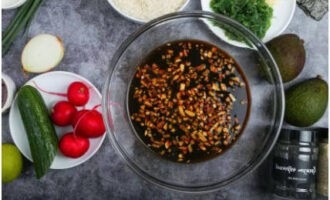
x=8, y=6
x=11, y=87
x=135, y=19
x=283, y=11
x=56, y=81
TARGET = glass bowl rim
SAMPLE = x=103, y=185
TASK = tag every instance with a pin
x=278, y=118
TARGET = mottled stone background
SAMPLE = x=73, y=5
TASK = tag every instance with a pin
x=93, y=31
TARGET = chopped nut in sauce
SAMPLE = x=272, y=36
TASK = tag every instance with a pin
x=182, y=100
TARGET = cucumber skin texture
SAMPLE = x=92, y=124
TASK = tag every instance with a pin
x=39, y=128
x=306, y=102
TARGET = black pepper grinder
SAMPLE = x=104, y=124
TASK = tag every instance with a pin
x=295, y=164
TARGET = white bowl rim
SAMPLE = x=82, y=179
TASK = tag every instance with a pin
x=139, y=21
x=18, y=4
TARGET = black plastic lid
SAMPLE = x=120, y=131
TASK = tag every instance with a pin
x=323, y=133
x=292, y=135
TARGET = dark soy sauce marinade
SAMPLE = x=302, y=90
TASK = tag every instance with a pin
x=183, y=101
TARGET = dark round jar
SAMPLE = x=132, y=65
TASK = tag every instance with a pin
x=295, y=164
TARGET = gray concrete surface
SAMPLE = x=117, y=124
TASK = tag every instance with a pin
x=92, y=32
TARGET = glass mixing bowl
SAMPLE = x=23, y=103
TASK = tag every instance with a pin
x=259, y=135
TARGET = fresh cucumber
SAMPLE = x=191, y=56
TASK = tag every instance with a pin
x=39, y=128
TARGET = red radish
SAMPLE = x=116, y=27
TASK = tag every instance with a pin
x=78, y=93
x=63, y=113
x=73, y=146
x=88, y=123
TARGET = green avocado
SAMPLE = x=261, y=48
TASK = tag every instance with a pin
x=306, y=102
x=289, y=54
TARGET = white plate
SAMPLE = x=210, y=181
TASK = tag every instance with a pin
x=136, y=19
x=283, y=11
x=56, y=81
